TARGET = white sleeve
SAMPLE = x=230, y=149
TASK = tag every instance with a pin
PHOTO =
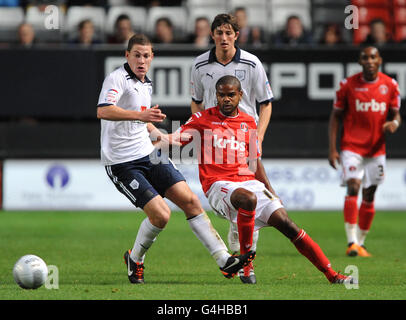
x=196, y=86
x=263, y=91
x=111, y=91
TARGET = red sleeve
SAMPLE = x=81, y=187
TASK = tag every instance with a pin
x=395, y=98
x=340, y=101
x=191, y=126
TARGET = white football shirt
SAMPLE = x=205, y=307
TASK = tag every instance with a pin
x=123, y=141
x=206, y=70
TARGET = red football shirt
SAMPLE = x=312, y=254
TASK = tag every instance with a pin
x=224, y=145
x=366, y=105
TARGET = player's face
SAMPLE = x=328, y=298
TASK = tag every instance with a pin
x=228, y=98
x=224, y=37
x=139, y=59
x=370, y=60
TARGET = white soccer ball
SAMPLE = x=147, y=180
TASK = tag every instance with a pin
x=30, y=272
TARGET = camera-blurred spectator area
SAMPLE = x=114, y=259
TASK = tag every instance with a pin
x=265, y=18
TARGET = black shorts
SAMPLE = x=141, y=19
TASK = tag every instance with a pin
x=141, y=180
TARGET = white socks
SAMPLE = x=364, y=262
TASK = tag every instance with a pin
x=208, y=236
x=355, y=234
x=351, y=232
x=146, y=236
x=201, y=227
x=362, y=234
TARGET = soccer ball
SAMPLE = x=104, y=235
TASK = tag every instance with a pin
x=30, y=272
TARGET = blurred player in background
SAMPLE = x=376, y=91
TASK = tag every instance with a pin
x=227, y=59
x=127, y=152
x=367, y=104
x=234, y=180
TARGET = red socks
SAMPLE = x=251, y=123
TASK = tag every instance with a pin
x=366, y=215
x=351, y=209
x=311, y=250
x=245, y=223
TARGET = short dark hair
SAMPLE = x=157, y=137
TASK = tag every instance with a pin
x=225, y=18
x=82, y=23
x=120, y=18
x=140, y=39
x=377, y=21
x=166, y=20
x=230, y=80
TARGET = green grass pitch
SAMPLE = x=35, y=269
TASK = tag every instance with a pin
x=87, y=248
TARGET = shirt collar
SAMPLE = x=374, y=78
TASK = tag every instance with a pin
x=132, y=74
x=213, y=58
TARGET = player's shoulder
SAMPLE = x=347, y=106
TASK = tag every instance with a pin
x=118, y=74
x=384, y=78
x=200, y=115
x=350, y=81
x=249, y=58
x=201, y=60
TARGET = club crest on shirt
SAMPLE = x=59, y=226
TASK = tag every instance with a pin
x=240, y=74
x=244, y=127
x=383, y=89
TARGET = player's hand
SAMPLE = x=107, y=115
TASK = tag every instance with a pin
x=164, y=140
x=334, y=159
x=152, y=114
x=176, y=137
x=390, y=126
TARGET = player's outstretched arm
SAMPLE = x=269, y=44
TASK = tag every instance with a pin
x=116, y=113
x=392, y=125
x=161, y=139
x=334, y=123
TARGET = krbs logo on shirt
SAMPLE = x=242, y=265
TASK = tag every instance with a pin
x=233, y=144
x=372, y=105
x=57, y=177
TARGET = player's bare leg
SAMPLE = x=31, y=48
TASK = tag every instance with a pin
x=305, y=245
x=351, y=216
x=158, y=214
x=245, y=202
x=199, y=222
x=366, y=216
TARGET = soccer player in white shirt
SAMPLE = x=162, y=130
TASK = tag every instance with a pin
x=128, y=154
x=227, y=59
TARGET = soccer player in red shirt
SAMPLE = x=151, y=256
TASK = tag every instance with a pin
x=367, y=104
x=234, y=180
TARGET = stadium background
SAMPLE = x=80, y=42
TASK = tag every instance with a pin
x=50, y=90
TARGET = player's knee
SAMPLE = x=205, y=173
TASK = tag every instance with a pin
x=244, y=199
x=368, y=194
x=161, y=217
x=353, y=187
x=192, y=205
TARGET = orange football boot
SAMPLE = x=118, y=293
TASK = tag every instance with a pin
x=352, y=250
x=362, y=252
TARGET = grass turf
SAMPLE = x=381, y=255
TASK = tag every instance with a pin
x=87, y=248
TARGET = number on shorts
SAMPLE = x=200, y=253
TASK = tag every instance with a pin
x=380, y=173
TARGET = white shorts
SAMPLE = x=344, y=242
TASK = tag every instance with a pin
x=371, y=171
x=219, y=199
